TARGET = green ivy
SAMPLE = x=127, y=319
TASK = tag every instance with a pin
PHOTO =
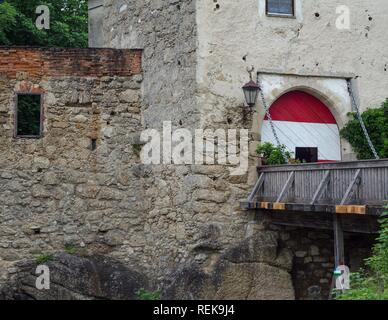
x=376, y=121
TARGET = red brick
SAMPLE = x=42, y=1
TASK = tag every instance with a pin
x=39, y=62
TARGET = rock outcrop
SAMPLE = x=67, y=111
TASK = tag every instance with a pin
x=75, y=278
x=253, y=269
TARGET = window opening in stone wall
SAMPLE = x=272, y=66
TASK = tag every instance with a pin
x=280, y=7
x=28, y=116
x=306, y=155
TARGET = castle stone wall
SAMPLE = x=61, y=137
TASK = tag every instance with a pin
x=78, y=185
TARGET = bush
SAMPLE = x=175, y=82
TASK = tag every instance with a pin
x=273, y=154
x=376, y=121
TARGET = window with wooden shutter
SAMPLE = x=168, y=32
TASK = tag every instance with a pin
x=280, y=7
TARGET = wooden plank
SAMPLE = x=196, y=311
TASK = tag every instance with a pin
x=279, y=206
x=341, y=209
x=286, y=187
x=372, y=191
x=321, y=187
x=317, y=208
x=351, y=186
x=343, y=165
x=265, y=205
x=257, y=187
x=351, y=209
x=358, y=209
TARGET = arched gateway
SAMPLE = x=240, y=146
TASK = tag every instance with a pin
x=305, y=126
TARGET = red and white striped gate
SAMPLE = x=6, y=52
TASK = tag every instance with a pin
x=302, y=120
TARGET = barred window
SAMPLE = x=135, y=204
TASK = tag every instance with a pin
x=280, y=7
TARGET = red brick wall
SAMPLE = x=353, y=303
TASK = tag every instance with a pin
x=39, y=62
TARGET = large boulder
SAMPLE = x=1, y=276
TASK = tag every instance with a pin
x=73, y=278
x=253, y=269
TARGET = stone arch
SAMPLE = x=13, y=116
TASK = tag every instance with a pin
x=303, y=120
x=327, y=99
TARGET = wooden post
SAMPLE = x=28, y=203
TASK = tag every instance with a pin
x=339, y=251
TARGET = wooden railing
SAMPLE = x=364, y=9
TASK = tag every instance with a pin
x=359, y=187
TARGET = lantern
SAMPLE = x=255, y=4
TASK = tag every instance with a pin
x=251, y=90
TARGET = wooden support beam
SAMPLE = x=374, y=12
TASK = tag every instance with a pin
x=339, y=250
x=321, y=188
x=286, y=187
x=322, y=221
x=293, y=208
x=351, y=186
x=256, y=188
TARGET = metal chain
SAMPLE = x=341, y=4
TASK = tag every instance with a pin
x=364, y=129
x=271, y=122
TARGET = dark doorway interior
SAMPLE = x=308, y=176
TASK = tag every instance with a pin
x=306, y=155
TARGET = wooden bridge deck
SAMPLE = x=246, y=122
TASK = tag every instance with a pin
x=357, y=187
x=341, y=196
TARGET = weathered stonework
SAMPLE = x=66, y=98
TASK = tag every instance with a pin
x=195, y=63
x=57, y=190
x=175, y=223
x=313, y=258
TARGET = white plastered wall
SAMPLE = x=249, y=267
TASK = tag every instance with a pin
x=238, y=35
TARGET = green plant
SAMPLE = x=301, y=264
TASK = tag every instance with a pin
x=136, y=149
x=372, y=284
x=376, y=121
x=7, y=21
x=143, y=294
x=70, y=249
x=273, y=154
x=68, y=23
x=294, y=161
x=44, y=258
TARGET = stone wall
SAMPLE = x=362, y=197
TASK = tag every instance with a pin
x=185, y=202
x=195, y=59
x=166, y=31
x=313, y=258
x=60, y=190
x=165, y=218
x=79, y=184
